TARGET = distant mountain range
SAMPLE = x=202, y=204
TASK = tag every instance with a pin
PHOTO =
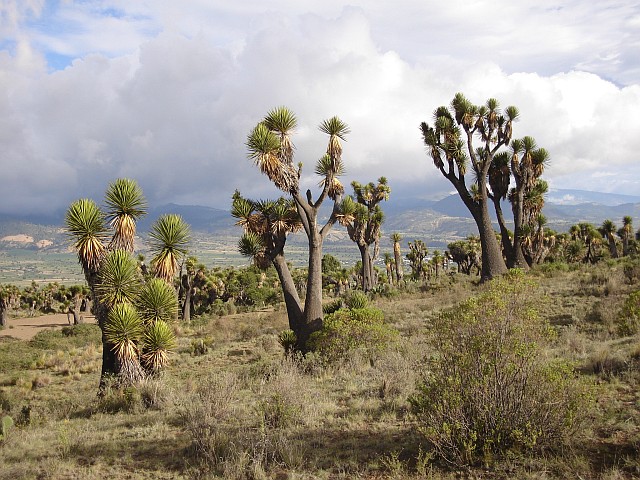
x=437, y=222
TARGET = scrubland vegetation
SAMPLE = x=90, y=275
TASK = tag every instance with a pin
x=527, y=377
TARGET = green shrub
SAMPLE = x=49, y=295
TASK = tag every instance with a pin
x=487, y=389
x=352, y=328
x=356, y=299
x=6, y=424
x=628, y=320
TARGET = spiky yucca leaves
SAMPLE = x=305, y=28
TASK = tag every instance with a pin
x=125, y=204
x=252, y=245
x=157, y=301
x=124, y=330
x=337, y=130
x=282, y=121
x=118, y=279
x=158, y=342
x=500, y=175
x=86, y=227
x=272, y=152
x=169, y=243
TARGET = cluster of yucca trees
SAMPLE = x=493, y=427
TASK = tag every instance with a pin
x=496, y=164
x=134, y=310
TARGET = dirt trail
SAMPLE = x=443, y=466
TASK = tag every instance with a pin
x=26, y=328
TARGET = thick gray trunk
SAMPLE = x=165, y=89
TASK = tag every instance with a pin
x=3, y=315
x=367, y=268
x=493, y=264
x=313, y=315
x=291, y=298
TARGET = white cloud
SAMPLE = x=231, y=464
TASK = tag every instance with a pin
x=167, y=95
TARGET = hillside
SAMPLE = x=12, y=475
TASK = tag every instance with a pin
x=436, y=222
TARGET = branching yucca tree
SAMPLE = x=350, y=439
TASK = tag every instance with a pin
x=269, y=145
x=169, y=243
x=626, y=233
x=396, y=238
x=527, y=197
x=450, y=143
x=363, y=217
x=266, y=226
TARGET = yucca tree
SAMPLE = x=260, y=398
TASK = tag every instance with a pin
x=388, y=263
x=269, y=145
x=266, y=226
x=608, y=230
x=450, y=144
x=115, y=278
x=417, y=254
x=362, y=216
x=169, y=241
x=9, y=294
x=396, y=238
x=626, y=233
x=125, y=205
x=527, y=197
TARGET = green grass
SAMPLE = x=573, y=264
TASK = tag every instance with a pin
x=240, y=410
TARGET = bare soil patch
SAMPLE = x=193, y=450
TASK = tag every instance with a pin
x=26, y=328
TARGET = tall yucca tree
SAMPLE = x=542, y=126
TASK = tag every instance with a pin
x=626, y=234
x=396, y=238
x=269, y=146
x=169, y=242
x=267, y=225
x=526, y=162
x=450, y=142
x=125, y=204
x=363, y=218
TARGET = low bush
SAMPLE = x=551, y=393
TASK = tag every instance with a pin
x=348, y=329
x=628, y=320
x=487, y=389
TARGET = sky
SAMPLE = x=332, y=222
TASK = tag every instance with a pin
x=166, y=92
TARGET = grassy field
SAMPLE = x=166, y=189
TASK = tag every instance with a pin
x=232, y=406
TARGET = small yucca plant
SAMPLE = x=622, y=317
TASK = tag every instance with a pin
x=158, y=342
x=287, y=339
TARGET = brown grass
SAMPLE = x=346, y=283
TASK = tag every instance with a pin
x=241, y=410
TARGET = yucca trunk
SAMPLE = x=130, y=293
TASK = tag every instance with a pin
x=313, y=315
x=398, y=259
x=613, y=249
x=367, y=268
x=517, y=259
x=291, y=298
x=3, y=315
